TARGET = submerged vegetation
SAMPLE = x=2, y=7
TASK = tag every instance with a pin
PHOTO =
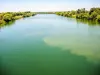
x=92, y=15
x=6, y=17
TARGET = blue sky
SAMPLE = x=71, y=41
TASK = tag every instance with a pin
x=46, y=5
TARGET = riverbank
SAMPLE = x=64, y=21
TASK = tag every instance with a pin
x=92, y=15
x=7, y=17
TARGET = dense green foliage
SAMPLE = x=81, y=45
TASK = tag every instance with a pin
x=7, y=17
x=10, y=16
x=2, y=22
x=98, y=18
x=93, y=14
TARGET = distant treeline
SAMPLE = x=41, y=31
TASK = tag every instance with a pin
x=45, y=12
x=11, y=16
x=92, y=15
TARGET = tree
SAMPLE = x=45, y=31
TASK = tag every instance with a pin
x=91, y=11
x=73, y=12
x=78, y=11
x=85, y=15
x=83, y=10
x=93, y=16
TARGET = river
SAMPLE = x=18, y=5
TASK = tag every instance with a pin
x=47, y=44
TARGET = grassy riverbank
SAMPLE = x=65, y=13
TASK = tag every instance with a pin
x=7, y=17
x=92, y=15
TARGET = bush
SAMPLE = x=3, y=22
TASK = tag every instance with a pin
x=17, y=17
x=78, y=16
x=2, y=22
x=33, y=14
x=1, y=16
x=73, y=16
x=7, y=17
x=86, y=15
x=93, y=15
x=27, y=14
x=98, y=18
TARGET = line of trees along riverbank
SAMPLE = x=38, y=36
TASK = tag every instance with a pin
x=92, y=15
x=7, y=17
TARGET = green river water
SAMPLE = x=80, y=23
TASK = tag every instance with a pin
x=47, y=44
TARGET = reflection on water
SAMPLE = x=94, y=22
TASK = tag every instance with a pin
x=89, y=22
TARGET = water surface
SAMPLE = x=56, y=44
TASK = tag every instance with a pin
x=47, y=44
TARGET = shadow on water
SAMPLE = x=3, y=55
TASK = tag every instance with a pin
x=97, y=69
x=3, y=68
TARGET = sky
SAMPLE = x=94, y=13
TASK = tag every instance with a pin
x=46, y=5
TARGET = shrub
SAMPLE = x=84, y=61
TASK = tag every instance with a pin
x=1, y=16
x=17, y=17
x=73, y=16
x=93, y=15
x=98, y=18
x=2, y=22
x=7, y=17
x=86, y=15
